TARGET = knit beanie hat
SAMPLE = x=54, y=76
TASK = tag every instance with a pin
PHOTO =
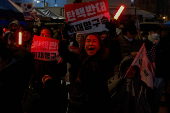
x=14, y=22
x=78, y=34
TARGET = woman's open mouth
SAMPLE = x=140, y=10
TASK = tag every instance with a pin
x=91, y=50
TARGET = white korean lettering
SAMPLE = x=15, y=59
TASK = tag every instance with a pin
x=80, y=12
x=93, y=7
x=44, y=44
x=35, y=43
x=68, y=14
x=71, y=15
x=103, y=6
x=89, y=10
x=97, y=7
x=39, y=43
x=53, y=45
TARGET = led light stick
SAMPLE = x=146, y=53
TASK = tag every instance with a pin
x=119, y=12
x=20, y=39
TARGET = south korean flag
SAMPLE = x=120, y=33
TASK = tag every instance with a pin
x=27, y=7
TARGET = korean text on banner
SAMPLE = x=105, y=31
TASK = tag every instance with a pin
x=45, y=49
x=141, y=60
x=74, y=49
x=87, y=17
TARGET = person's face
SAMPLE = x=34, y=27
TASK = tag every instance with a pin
x=91, y=45
x=52, y=28
x=80, y=38
x=45, y=33
x=131, y=72
x=21, y=28
x=145, y=37
x=14, y=27
x=155, y=32
x=104, y=34
x=129, y=35
x=121, y=26
x=26, y=35
x=164, y=33
x=35, y=30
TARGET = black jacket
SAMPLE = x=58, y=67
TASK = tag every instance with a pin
x=90, y=92
x=14, y=80
x=162, y=58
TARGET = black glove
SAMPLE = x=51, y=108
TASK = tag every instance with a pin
x=111, y=26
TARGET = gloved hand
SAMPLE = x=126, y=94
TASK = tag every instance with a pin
x=110, y=25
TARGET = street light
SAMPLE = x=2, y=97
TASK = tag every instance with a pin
x=132, y=2
x=164, y=18
x=38, y=1
x=41, y=1
x=55, y=3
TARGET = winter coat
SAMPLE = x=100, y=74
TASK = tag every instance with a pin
x=162, y=58
x=14, y=80
x=131, y=97
x=148, y=44
x=128, y=47
x=90, y=93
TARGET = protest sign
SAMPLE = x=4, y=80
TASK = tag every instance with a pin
x=44, y=48
x=87, y=17
x=74, y=49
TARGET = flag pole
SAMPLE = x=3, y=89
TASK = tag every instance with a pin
x=135, y=59
x=138, y=53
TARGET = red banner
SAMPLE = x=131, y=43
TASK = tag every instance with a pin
x=74, y=49
x=45, y=48
x=81, y=11
x=87, y=17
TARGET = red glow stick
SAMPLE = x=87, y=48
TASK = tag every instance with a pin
x=119, y=12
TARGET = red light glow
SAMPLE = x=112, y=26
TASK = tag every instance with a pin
x=119, y=12
x=20, y=39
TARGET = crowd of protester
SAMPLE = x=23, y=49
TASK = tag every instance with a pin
x=30, y=85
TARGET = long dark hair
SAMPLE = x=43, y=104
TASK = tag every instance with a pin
x=101, y=52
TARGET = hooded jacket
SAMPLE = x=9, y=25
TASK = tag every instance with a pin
x=128, y=47
x=13, y=22
x=12, y=36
